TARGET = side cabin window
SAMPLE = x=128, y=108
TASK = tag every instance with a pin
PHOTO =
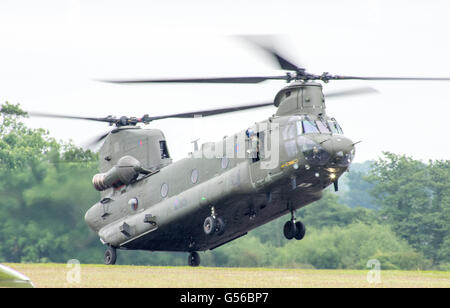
x=163, y=149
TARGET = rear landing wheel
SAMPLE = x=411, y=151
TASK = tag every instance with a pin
x=110, y=256
x=194, y=259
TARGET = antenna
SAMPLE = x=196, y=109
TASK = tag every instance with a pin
x=195, y=142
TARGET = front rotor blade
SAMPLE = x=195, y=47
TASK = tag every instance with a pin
x=350, y=92
x=211, y=112
x=254, y=79
x=283, y=62
x=337, y=77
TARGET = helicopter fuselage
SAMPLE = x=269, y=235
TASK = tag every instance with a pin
x=248, y=179
x=224, y=189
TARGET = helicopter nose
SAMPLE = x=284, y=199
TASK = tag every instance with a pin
x=341, y=150
x=333, y=150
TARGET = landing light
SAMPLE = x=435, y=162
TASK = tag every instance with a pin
x=332, y=176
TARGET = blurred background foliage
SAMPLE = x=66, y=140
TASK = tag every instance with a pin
x=396, y=210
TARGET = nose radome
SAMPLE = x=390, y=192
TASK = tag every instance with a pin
x=341, y=149
x=342, y=144
x=324, y=150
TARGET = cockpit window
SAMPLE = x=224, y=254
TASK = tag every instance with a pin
x=309, y=127
x=339, y=128
x=299, y=128
x=332, y=126
x=289, y=131
x=322, y=127
x=335, y=128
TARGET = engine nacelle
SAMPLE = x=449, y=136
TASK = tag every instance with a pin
x=126, y=171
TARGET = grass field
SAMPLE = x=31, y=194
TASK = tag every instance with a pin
x=55, y=275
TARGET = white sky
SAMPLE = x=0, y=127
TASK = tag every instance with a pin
x=51, y=52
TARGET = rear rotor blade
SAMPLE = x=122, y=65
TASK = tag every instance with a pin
x=247, y=79
x=93, y=142
x=60, y=116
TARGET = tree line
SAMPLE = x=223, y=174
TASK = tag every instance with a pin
x=395, y=210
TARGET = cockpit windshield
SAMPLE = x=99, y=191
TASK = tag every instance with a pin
x=309, y=127
x=315, y=127
x=322, y=127
x=335, y=128
x=302, y=125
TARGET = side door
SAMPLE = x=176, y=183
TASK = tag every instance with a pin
x=256, y=147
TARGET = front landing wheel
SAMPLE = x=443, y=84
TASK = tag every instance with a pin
x=300, y=230
x=209, y=225
x=289, y=230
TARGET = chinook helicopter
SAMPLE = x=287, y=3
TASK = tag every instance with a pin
x=223, y=189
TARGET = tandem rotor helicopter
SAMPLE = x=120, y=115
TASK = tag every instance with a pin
x=223, y=189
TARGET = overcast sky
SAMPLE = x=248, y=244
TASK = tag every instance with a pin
x=51, y=52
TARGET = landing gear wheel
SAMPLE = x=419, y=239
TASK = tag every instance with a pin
x=300, y=230
x=220, y=226
x=289, y=230
x=194, y=259
x=209, y=225
x=110, y=256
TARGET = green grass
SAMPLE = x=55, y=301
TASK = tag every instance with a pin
x=55, y=275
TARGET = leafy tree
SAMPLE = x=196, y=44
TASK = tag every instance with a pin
x=358, y=194
x=41, y=209
x=414, y=199
x=329, y=212
x=45, y=191
x=349, y=247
